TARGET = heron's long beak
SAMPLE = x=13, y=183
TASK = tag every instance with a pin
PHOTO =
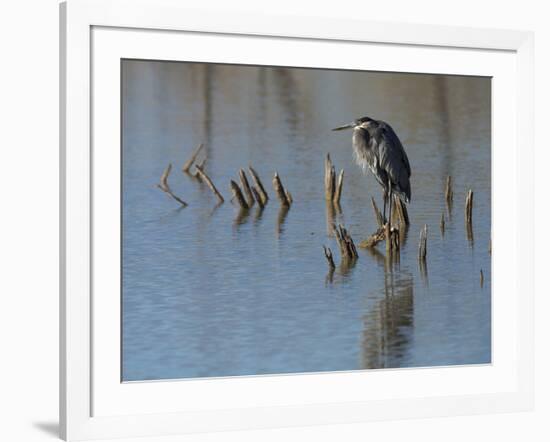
x=345, y=126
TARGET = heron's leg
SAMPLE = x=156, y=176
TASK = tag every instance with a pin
x=385, y=198
x=390, y=195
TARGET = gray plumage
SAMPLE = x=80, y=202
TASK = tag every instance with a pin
x=377, y=146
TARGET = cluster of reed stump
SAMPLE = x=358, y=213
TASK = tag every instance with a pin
x=248, y=193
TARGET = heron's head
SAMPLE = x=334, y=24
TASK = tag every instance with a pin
x=362, y=123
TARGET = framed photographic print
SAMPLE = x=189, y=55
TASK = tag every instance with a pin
x=282, y=221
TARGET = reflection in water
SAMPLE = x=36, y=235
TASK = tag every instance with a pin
x=388, y=326
x=242, y=217
x=470, y=233
x=281, y=217
x=258, y=214
x=423, y=267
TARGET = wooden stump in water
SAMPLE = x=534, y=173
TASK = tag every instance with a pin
x=348, y=251
x=237, y=194
x=333, y=185
x=260, y=190
x=192, y=159
x=328, y=256
x=280, y=191
x=469, y=206
x=208, y=181
x=246, y=188
x=258, y=197
x=330, y=179
x=468, y=209
x=165, y=187
x=202, y=164
x=338, y=189
x=374, y=239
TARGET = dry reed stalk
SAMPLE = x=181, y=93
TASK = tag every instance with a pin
x=348, y=251
x=202, y=164
x=469, y=207
x=330, y=177
x=238, y=195
x=442, y=223
x=246, y=188
x=423, y=246
x=374, y=239
x=259, y=186
x=377, y=214
x=258, y=197
x=328, y=256
x=192, y=159
x=204, y=177
x=165, y=187
x=338, y=188
x=481, y=278
x=280, y=190
x=449, y=190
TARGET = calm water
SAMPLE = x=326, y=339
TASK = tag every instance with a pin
x=207, y=292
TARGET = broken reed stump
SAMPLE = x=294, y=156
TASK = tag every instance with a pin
x=201, y=164
x=449, y=190
x=442, y=223
x=374, y=239
x=204, y=177
x=469, y=206
x=333, y=186
x=328, y=256
x=338, y=188
x=165, y=187
x=260, y=190
x=282, y=194
x=238, y=195
x=380, y=233
x=192, y=159
x=258, y=197
x=246, y=188
x=330, y=178
x=481, y=278
x=423, y=245
x=348, y=251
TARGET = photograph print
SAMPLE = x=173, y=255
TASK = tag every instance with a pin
x=284, y=220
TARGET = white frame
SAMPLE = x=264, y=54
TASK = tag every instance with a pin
x=77, y=376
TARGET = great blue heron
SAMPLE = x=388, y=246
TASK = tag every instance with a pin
x=376, y=145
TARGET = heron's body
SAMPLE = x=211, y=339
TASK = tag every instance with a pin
x=377, y=146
